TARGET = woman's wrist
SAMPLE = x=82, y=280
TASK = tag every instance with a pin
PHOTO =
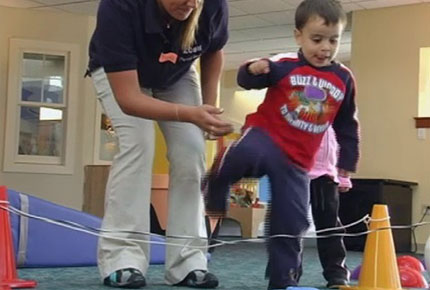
x=178, y=118
x=183, y=113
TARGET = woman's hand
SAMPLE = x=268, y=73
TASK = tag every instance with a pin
x=206, y=117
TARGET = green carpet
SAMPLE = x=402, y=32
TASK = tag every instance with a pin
x=238, y=267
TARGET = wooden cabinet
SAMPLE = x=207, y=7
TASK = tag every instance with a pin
x=249, y=219
x=358, y=202
x=96, y=177
x=94, y=188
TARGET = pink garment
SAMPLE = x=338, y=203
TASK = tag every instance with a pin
x=326, y=160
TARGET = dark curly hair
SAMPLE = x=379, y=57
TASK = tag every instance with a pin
x=330, y=10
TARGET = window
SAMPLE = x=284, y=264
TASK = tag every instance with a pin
x=423, y=119
x=424, y=83
x=41, y=107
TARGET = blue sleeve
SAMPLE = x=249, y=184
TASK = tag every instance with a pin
x=114, y=36
x=347, y=130
x=219, y=25
x=249, y=81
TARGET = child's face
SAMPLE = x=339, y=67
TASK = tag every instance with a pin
x=319, y=42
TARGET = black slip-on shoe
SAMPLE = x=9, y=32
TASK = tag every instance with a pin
x=199, y=279
x=125, y=278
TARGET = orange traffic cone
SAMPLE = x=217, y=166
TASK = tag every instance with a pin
x=8, y=274
x=379, y=269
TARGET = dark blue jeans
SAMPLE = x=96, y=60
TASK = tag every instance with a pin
x=325, y=209
x=255, y=155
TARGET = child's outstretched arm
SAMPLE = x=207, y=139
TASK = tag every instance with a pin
x=254, y=74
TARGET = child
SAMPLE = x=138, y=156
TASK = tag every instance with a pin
x=326, y=182
x=307, y=92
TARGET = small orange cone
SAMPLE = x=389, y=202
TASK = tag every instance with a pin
x=379, y=269
x=8, y=274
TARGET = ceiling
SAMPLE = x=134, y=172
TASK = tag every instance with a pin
x=257, y=27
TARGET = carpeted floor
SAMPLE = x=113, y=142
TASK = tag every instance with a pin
x=238, y=267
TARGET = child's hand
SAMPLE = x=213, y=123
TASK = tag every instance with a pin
x=343, y=189
x=343, y=172
x=259, y=67
x=345, y=183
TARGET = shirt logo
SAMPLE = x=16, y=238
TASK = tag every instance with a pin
x=310, y=107
x=318, y=83
x=170, y=56
x=192, y=50
x=191, y=53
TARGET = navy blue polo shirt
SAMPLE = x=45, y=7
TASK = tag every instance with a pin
x=132, y=34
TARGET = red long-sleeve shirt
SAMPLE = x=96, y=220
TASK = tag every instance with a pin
x=301, y=102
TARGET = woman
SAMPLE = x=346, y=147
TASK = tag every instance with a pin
x=142, y=57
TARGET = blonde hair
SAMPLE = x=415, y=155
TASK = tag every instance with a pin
x=191, y=26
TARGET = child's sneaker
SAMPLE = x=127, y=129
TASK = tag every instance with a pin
x=335, y=283
x=199, y=279
x=296, y=288
x=125, y=278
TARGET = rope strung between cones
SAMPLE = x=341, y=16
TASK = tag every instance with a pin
x=114, y=234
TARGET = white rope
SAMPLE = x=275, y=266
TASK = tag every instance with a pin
x=363, y=219
x=103, y=235
x=109, y=233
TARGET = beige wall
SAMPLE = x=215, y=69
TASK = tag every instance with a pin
x=385, y=60
x=232, y=111
x=236, y=109
x=66, y=28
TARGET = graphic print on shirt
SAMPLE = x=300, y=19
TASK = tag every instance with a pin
x=170, y=56
x=191, y=53
x=310, y=104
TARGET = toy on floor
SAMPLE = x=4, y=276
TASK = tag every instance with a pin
x=355, y=274
x=410, y=271
x=410, y=262
x=411, y=278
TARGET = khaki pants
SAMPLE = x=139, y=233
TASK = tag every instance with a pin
x=129, y=184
